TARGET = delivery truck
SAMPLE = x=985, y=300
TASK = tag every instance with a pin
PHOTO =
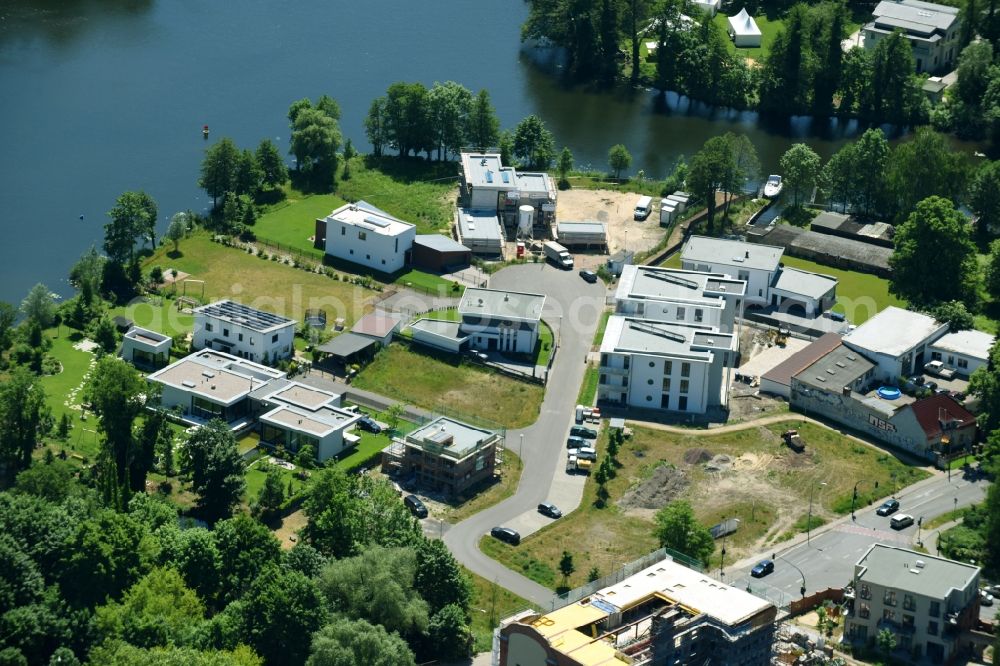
x=558, y=255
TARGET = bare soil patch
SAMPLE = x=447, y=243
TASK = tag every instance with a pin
x=665, y=485
x=616, y=210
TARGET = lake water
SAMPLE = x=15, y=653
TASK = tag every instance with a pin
x=103, y=96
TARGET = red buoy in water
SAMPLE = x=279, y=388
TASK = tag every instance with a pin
x=204, y=131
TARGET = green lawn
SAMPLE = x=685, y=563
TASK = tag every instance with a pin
x=445, y=383
x=157, y=313
x=483, y=498
x=588, y=389
x=543, y=350
x=292, y=222
x=63, y=391
x=258, y=472
x=859, y=295
x=490, y=604
x=767, y=489
x=269, y=285
x=601, y=325
x=419, y=192
x=769, y=30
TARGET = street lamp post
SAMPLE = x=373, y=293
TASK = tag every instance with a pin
x=809, y=519
x=802, y=590
x=722, y=561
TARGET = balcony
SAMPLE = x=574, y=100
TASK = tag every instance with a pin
x=611, y=370
x=896, y=627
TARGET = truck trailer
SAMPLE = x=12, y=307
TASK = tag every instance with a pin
x=558, y=255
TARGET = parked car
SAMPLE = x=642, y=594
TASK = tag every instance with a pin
x=888, y=507
x=506, y=534
x=415, y=506
x=575, y=442
x=366, y=423
x=589, y=276
x=931, y=386
x=918, y=380
x=583, y=431
x=901, y=521
x=985, y=598
x=550, y=510
x=939, y=369
x=837, y=316
x=762, y=568
x=586, y=453
x=478, y=356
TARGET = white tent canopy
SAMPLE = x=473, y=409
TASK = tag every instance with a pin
x=743, y=29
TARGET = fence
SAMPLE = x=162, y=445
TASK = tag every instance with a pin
x=816, y=599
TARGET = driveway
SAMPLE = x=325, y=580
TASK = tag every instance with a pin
x=572, y=308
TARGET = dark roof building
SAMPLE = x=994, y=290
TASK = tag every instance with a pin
x=438, y=253
x=778, y=380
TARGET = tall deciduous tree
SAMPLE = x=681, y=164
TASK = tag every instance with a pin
x=315, y=141
x=439, y=578
x=103, y=558
x=347, y=642
x=216, y=468
x=280, y=609
x=38, y=306
x=923, y=167
x=894, y=93
x=856, y=174
x=984, y=200
x=712, y=168
x=788, y=68
x=274, y=173
x=934, y=237
x=533, y=143
x=158, y=610
x=272, y=493
x=133, y=219
x=985, y=385
x=87, y=274
x=249, y=176
x=449, y=105
x=636, y=15
x=800, y=167
x=8, y=315
x=619, y=159
x=483, y=130
x=564, y=165
x=993, y=271
x=117, y=393
x=218, y=169
x=677, y=528
x=376, y=126
x=831, y=56
x=246, y=548
x=177, y=229
x=408, y=118
x=23, y=412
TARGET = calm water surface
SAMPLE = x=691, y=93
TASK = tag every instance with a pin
x=102, y=96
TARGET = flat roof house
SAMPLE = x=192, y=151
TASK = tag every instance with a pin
x=439, y=333
x=664, y=366
x=663, y=614
x=363, y=234
x=145, y=349
x=769, y=283
x=486, y=181
x=211, y=384
x=753, y=263
x=505, y=321
x=445, y=456
x=896, y=340
x=296, y=415
x=963, y=351
x=931, y=29
x=378, y=325
x=930, y=603
x=679, y=296
x=243, y=331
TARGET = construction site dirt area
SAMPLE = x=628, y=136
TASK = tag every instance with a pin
x=616, y=210
x=747, y=473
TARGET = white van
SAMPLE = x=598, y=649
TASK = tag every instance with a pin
x=643, y=208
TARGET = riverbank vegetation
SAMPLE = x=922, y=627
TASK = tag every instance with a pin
x=800, y=68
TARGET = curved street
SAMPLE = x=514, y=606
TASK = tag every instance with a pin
x=572, y=309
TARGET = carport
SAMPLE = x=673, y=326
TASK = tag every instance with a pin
x=348, y=348
x=811, y=293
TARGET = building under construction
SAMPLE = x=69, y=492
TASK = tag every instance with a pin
x=445, y=456
x=664, y=615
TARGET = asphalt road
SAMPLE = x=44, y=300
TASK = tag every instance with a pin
x=572, y=309
x=828, y=558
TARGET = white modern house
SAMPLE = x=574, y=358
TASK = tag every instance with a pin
x=486, y=181
x=243, y=331
x=146, y=349
x=363, y=234
x=932, y=30
x=505, y=321
x=678, y=296
x=665, y=366
x=743, y=30
x=439, y=333
x=897, y=341
x=769, y=282
x=753, y=263
x=963, y=351
x=295, y=415
x=211, y=384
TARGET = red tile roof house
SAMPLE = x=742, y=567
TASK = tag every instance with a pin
x=950, y=427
